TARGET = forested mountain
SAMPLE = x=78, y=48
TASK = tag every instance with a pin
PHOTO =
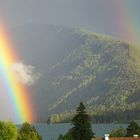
x=77, y=65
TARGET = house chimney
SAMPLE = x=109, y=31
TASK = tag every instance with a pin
x=106, y=136
x=135, y=135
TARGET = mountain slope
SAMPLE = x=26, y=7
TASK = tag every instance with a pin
x=78, y=65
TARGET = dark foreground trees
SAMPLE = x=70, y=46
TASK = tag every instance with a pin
x=133, y=129
x=81, y=129
x=67, y=136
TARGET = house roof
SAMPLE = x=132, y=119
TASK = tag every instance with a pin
x=124, y=138
x=97, y=139
x=118, y=138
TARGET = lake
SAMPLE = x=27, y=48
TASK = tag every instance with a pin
x=52, y=131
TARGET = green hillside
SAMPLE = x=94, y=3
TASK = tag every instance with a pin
x=102, y=72
x=77, y=65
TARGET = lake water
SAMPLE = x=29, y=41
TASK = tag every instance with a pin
x=52, y=131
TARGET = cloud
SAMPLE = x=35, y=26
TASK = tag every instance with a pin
x=25, y=74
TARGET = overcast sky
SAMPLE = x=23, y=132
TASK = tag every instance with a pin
x=96, y=15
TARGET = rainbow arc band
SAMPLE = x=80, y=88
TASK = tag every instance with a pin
x=18, y=97
x=126, y=22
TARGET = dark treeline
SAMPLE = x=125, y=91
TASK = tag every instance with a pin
x=116, y=117
x=110, y=117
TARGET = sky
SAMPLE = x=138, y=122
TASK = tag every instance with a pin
x=117, y=18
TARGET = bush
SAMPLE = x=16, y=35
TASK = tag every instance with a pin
x=8, y=131
x=119, y=132
x=27, y=132
x=67, y=136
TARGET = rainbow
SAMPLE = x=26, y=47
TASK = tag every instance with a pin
x=16, y=94
x=126, y=22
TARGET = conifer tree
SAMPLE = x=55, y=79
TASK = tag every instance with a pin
x=133, y=129
x=81, y=126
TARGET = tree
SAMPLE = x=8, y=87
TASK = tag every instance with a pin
x=61, y=137
x=119, y=132
x=27, y=132
x=132, y=129
x=82, y=127
x=67, y=136
x=8, y=131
